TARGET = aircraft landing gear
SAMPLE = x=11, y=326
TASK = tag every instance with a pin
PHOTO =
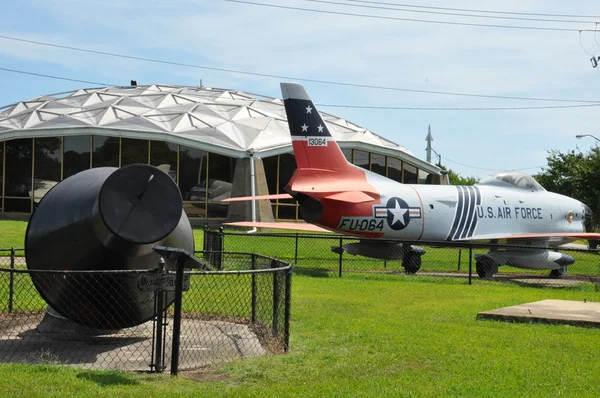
x=411, y=262
x=485, y=267
x=558, y=273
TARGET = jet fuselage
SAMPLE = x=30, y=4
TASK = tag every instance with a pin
x=489, y=210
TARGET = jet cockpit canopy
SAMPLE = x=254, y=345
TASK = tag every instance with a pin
x=515, y=178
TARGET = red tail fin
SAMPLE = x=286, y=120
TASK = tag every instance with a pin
x=314, y=147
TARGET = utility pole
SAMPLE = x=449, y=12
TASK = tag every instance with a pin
x=429, y=138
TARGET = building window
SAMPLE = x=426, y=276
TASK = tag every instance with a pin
x=47, y=166
x=134, y=151
x=433, y=179
x=18, y=169
x=287, y=212
x=361, y=159
x=192, y=180
x=423, y=177
x=76, y=154
x=105, y=151
x=220, y=179
x=378, y=163
x=394, y=169
x=286, y=208
x=410, y=174
x=13, y=205
x=164, y=156
x=348, y=154
x=1, y=177
x=287, y=168
x=270, y=165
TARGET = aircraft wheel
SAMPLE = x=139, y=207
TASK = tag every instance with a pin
x=485, y=267
x=558, y=273
x=411, y=262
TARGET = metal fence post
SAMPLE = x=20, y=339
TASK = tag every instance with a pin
x=158, y=359
x=222, y=239
x=288, y=305
x=459, y=258
x=177, y=318
x=221, y=248
x=276, y=298
x=253, y=267
x=296, y=253
x=470, y=263
x=11, y=281
x=340, y=258
x=206, y=238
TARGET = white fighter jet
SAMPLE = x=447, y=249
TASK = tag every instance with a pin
x=389, y=217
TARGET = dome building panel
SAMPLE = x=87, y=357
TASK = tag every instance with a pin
x=209, y=140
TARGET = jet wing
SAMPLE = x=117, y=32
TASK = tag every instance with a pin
x=278, y=225
x=350, y=197
x=345, y=196
x=270, y=197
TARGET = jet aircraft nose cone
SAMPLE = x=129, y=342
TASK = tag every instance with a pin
x=586, y=210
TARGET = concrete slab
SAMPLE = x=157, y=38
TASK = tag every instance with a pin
x=577, y=313
x=203, y=342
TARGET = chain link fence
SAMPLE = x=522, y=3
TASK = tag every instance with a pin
x=126, y=320
x=453, y=262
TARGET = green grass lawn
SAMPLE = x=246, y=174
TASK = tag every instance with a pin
x=367, y=335
x=381, y=337
x=12, y=234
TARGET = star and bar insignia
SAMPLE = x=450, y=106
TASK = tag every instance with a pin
x=397, y=213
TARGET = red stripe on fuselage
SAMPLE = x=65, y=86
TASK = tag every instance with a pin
x=422, y=213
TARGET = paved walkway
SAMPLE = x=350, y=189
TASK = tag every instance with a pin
x=5, y=261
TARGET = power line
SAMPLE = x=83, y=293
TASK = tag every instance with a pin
x=336, y=105
x=330, y=105
x=487, y=169
x=477, y=10
x=53, y=77
x=395, y=8
x=408, y=19
x=280, y=77
x=506, y=108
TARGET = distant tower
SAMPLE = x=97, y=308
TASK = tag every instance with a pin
x=429, y=138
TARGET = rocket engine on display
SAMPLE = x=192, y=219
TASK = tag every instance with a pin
x=105, y=219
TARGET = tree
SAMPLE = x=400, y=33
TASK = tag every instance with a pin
x=456, y=179
x=575, y=174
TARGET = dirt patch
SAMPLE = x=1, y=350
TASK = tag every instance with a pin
x=204, y=374
x=272, y=342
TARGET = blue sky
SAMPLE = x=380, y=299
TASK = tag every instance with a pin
x=320, y=46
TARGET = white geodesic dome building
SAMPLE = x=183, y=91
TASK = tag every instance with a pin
x=226, y=123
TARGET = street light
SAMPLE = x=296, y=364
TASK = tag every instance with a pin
x=578, y=136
